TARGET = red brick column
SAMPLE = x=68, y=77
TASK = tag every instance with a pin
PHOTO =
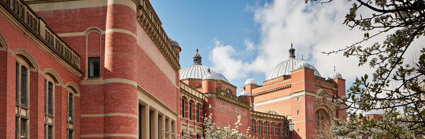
x=36, y=105
x=7, y=96
x=121, y=105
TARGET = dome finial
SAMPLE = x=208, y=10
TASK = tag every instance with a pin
x=292, y=52
x=197, y=59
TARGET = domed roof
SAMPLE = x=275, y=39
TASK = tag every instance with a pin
x=198, y=71
x=287, y=66
x=250, y=81
x=244, y=93
x=335, y=75
x=174, y=43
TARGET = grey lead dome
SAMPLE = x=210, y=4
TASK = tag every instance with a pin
x=250, y=81
x=199, y=71
x=287, y=66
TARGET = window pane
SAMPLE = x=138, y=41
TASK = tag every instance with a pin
x=50, y=132
x=94, y=66
x=23, y=128
x=183, y=108
x=70, y=107
x=50, y=98
x=190, y=111
x=197, y=113
x=24, y=86
x=70, y=134
x=17, y=83
x=16, y=127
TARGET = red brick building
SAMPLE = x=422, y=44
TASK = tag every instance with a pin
x=107, y=69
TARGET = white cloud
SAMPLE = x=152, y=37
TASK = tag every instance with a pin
x=312, y=28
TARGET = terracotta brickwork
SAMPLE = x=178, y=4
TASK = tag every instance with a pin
x=138, y=92
x=296, y=95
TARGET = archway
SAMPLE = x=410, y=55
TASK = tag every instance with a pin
x=323, y=124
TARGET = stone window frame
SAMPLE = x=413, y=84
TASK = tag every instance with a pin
x=49, y=123
x=22, y=110
x=98, y=59
x=272, y=133
x=259, y=123
x=198, y=112
x=70, y=133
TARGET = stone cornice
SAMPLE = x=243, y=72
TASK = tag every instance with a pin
x=267, y=115
x=272, y=90
x=149, y=20
x=229, y=98
x=192, y=92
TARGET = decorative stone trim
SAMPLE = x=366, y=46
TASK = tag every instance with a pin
x=34, y=24
x=267, y=115
x=229, y=98
x=184, y=88
x=273, y=89
x=149, y=20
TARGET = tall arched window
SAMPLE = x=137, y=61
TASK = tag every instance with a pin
x=22, y=98
x=279, y=130
x=49, y=96
x=71, y=93
x=322, y=121
x=190, y=110
x=272, y=129
x=259, y=127
x=266, y=128
x=198, y=107
x=253, y=126
x=183, y=107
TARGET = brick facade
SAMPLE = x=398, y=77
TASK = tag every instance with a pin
x=138, y=93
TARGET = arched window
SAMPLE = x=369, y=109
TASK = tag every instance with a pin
x=49, y=105
x=228, y=91
x=266, y=128
x=22, y=97
x=198, y=107
x=190, y=110
x=71, y=93
x=259, y=127
x=183, y=107
x=272, y=129
x=322, y=121
x=279, y=130
x=253, y=126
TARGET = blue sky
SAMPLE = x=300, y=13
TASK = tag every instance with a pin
x=243, y=37
x=198, y=24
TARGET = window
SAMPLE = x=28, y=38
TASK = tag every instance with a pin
x=228, y=91
x=70, y=107
x=253, y=127
x=279, y=130
x=298, y=112
x=48, y=108
x=48, y=88
x=272, y=130
x=190, y=111
x=49, y=132
x=70, y=134
x=266, y=128
x=24, y=130
x=22, y=107
x=70, y=116
x=197, y=113
x=259, y=128
x=94, y=67
x=183, y=108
